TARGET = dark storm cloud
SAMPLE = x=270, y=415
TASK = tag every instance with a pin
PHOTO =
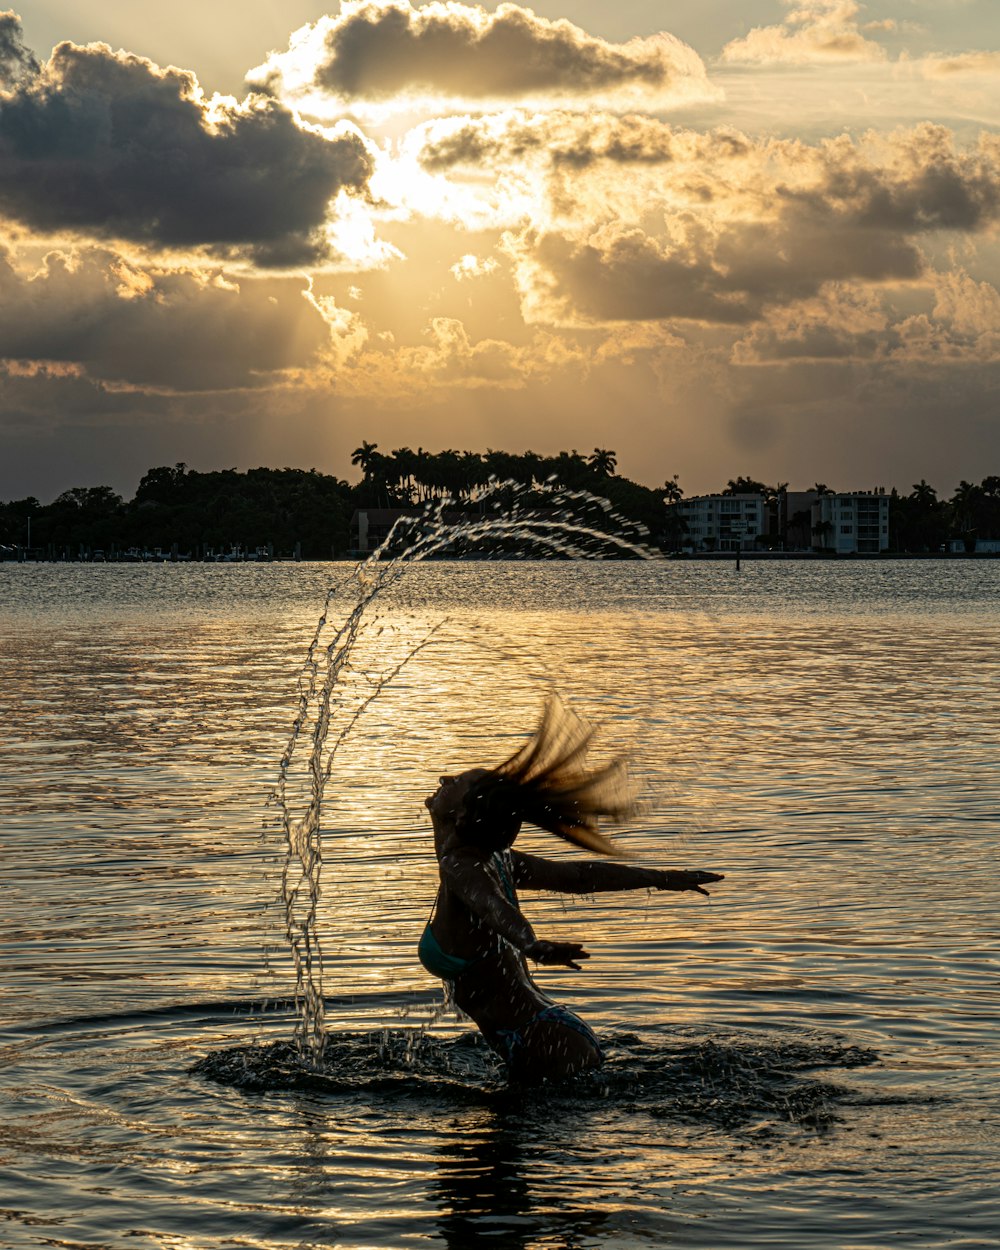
x=377, y=49
x=107, y=144
x=929, y=185
x=175, y=329
x=17, y=63
x=809, y=341
x=36, y=402
x=628, y=276
x=727, y=279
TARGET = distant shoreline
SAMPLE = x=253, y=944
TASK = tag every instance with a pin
x=701, y=557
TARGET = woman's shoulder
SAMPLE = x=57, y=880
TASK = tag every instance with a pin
x=464, y=859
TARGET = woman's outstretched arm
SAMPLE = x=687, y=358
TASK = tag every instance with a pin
x=594, y=876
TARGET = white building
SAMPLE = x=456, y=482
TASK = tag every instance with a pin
x=723, y=522
x=851, y=521
x=980, y=546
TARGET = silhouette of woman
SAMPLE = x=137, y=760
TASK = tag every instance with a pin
x=477, y=937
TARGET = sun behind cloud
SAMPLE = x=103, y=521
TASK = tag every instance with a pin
x=458, y=225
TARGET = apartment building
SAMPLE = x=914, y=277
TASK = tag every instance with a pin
x=723, y=522
x=851, y=521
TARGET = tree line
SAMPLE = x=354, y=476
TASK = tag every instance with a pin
x=177, y=507
x=284, y=509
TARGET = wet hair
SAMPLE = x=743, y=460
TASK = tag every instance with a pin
x=547, y=784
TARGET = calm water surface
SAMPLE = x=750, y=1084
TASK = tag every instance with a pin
x=828, y=735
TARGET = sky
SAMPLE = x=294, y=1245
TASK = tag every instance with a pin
x=722, y=238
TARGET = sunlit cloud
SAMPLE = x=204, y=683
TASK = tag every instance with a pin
x=971, y=308
x=450, y=359
x=389, y=56
x=470, y=266
x=973, y=64
x=814, y=31
x=480, y=196
x=352, y=235
x=949, y=318
x=712, y=226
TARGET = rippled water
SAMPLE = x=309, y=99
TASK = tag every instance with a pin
x=809, y=1059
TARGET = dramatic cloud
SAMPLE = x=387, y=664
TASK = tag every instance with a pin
x=520, y=244
x=387, y=51
x=922, y=182
x=17, y=63
x=843, y=322
x=747, y=226
x=814, y=31
x=625, y=275
x=178, y=329
x=915, y=180
x=109, y=145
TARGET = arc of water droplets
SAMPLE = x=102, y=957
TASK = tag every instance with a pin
x=324, y=704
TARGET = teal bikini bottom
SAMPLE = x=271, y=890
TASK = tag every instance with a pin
x=509, y=1043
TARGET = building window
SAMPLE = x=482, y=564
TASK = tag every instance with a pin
x=847, y=529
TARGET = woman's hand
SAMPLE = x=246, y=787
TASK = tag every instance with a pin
x=564, y=953
x=677, y=879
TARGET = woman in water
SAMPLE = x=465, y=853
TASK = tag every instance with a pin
x=477, y=937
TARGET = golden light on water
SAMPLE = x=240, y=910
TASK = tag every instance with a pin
x=818, y=731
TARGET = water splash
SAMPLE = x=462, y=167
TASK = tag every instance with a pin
x=503, y=519
x=740, y=1083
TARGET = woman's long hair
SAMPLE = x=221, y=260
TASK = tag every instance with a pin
x=547, y=784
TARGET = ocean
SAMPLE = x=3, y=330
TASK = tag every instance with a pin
x=808, y=1058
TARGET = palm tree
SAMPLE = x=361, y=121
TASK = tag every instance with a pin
x=747, y=486
x=364, y=456
x=500, y=464
x=404, y=463
x=474, y=471
x=673, y=492
x=421, y=473
x=926, y=522
x=532, y=467
x=568, y=468
x=924, y=494
x=603, y=461
x=966, y=506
